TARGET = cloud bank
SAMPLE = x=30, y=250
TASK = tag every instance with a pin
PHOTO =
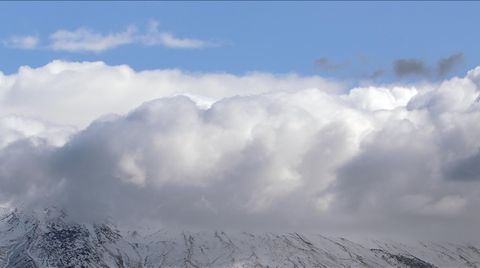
x=259, y=151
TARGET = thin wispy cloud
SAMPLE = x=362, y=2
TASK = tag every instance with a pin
x=84, y=39
x=326, y=64
x=400, y=68
x=22, y=41
x=375, y=74
x=155, y=37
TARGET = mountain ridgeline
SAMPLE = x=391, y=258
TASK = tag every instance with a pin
x=52, y=239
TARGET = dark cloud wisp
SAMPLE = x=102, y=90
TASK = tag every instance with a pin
x=405, y=67
x=419, y=68
x=448, y=64
x=326, y=64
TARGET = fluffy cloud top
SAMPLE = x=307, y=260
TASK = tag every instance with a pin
x=75, y=94
x=247, y=152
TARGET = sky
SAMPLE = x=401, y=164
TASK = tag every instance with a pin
x=361, y=38
x=351, y=118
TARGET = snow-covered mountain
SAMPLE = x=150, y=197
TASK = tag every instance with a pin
x=52, y=239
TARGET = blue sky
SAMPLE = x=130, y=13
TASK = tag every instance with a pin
x=359, y=38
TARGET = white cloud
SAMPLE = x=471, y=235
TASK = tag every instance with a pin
x=84, y=39
x=258, y=151
x=23, y=42
x=155, y=37
x=168, y=40
x=69, y=87
x=14, y=128
x=87, y=40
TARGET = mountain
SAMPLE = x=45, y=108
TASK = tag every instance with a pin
x=52, y=239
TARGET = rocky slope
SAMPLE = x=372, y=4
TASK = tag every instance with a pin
x=51, y=239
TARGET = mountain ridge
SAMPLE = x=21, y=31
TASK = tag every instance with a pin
x=52, y=239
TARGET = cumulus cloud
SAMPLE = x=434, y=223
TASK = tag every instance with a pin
x=70, y=87
x=23, y=42
x=298, y=154
x=84, y=39
x=13, y=128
